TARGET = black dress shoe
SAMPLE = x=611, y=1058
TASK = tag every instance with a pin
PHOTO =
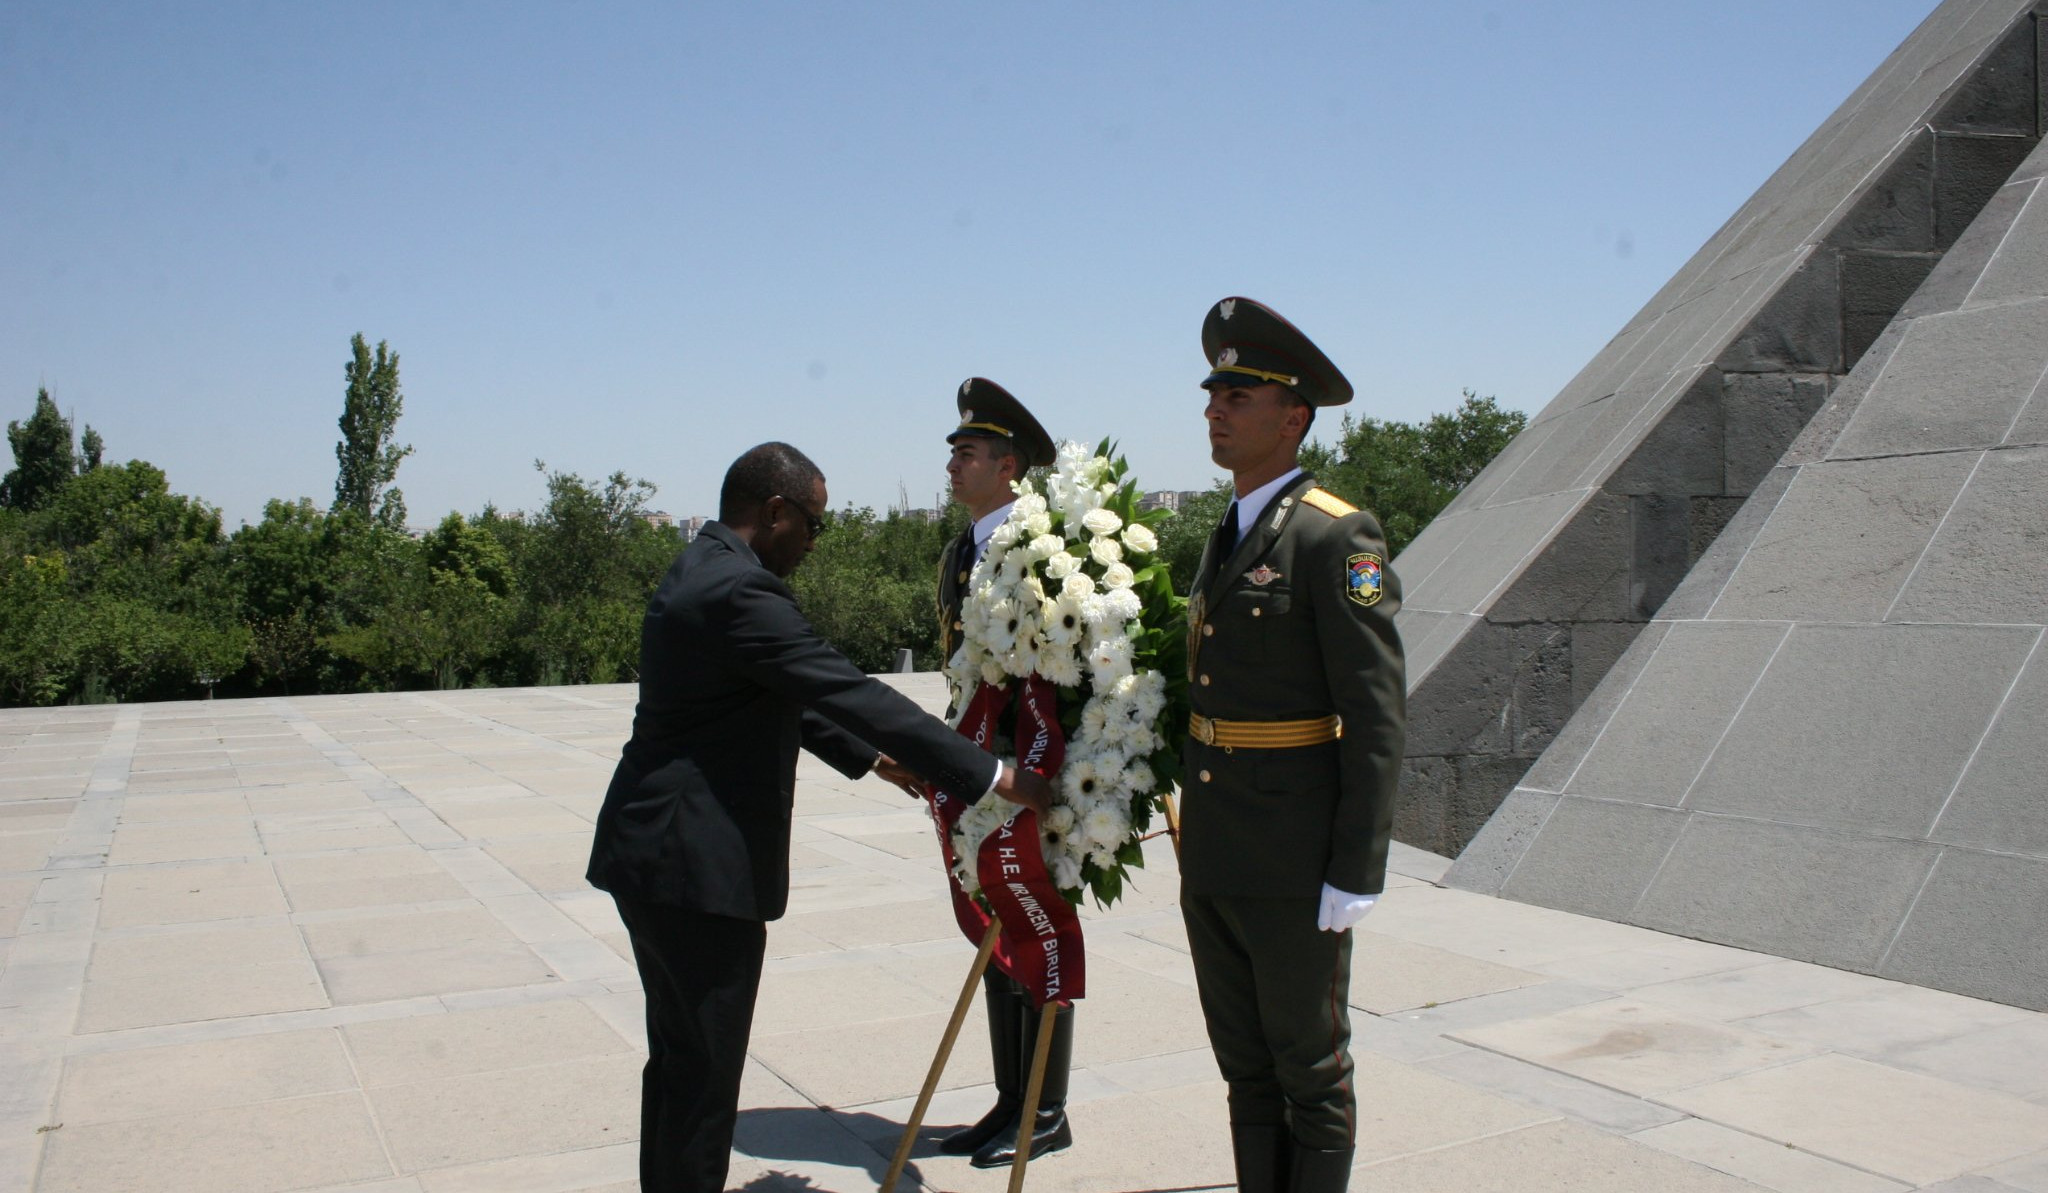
x=1054, y=1134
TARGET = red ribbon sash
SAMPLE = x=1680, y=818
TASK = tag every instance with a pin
x=1040, y=945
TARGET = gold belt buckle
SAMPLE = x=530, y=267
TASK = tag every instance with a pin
x=1202, y=729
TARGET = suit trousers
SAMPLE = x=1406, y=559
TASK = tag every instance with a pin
x=1274, y=992
x=701, y=974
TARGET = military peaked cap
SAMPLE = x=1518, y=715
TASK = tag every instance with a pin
x=987, y=410
x=1248, y=343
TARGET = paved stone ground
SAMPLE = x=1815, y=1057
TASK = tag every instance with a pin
x=344, y=943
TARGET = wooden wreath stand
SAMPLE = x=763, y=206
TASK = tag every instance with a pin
x=1033, y=1085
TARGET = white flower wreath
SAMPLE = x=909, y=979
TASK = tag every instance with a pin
x=1071, y=589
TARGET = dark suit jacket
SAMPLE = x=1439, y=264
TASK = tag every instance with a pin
x=732, y=681
x=1283, y=644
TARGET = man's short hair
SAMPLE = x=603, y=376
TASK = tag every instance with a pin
x=770, y=470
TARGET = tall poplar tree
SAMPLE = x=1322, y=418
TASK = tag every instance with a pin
x=43, y=457
x=369, y=418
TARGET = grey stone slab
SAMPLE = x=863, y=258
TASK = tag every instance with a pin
x=1681, y=453
x=1987, y=561
x=2019, y=268
x=1799, y=330
x=1956, y=381
x=1816, y=441
x=1963, y=269
x=1493, y=553
x=1564, y=755
x=1821, y=895
x=1484, y=865
x=1716, y=562
x=1578, y=439
x=1841, y=542
x=1661, y=735
x=2000, y=95
x=1971, y=169
x=1918, y=699
x=2010, y=1058
x=1585, y=572
x=1897, y=210
x=1761, y=414
x=1976, y=930
x=1594, y=857
x=2001, y=804
x=1550, y=1090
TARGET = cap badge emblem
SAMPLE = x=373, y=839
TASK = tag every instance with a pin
x=1261, y=576
x=1226, y=358
x=1225, y=307
x=965, y=386
x=966, y=416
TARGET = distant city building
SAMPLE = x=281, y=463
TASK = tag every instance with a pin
x=691, y=525
x=659, y=519
x=925, y=515
x=1168, y=499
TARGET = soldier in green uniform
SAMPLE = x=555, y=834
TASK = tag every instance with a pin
x=1293, y=752
x=996, y=442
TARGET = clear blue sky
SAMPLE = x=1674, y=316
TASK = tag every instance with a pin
x=647, y=236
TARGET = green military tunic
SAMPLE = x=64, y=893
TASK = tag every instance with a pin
x=1296, y=624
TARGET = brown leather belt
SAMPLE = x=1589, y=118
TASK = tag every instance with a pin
x=1264, y=735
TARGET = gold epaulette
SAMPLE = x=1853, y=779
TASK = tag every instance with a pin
x=1328, y=502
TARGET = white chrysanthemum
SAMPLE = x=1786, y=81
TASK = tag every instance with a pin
x=1110, y=660
x=1104, y=859
x=1122, y=605
x=1140, y=539
x=1062, y=668
x=1118, y=575
x=1148, y=693
x=992, y=672
x=1066, y=870
x=1102, y=521
x=1105, y=550
x=1106, y=825
x=1060, y=819
x=1079, y=586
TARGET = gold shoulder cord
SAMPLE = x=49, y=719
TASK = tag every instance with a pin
x=1328, y=502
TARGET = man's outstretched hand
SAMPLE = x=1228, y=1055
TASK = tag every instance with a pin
x=1028, y=788
x=899, y=774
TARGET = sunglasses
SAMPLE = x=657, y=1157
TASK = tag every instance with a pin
x=813, y=524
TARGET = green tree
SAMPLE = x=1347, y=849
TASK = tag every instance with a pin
x=870, y=588
x=90, y=449
x=43, y=457
x=587, y=564
x=1183, y=536
x=281, y=569
x=369, y=418
x=1406, y=472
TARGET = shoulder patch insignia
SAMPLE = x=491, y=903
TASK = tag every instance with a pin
x=1362, y=578
x=1328, y=502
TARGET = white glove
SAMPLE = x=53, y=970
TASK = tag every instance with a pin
x=1341, y=909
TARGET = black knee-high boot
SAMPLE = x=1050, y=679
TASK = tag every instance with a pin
x=1050, y=1131
x=1007, y=1007
x=1316, y=1171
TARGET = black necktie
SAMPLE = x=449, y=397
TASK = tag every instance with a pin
x=1226, y=535
x=963, y=554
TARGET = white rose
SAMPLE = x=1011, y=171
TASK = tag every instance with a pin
x=1102, y=521
x=1078, y=585
x=1106, y=551
x=1038, y=524
x=1062, y=565
x=1047, y=544
x=1140, y=539
x=1118, y=575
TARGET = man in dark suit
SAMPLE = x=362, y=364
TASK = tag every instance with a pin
x=1294, y=749
x=693, y=839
